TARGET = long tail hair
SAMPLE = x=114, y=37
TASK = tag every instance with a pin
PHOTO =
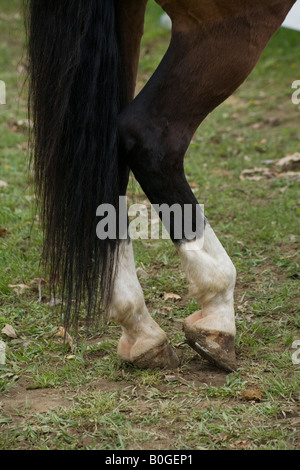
x=75, y=96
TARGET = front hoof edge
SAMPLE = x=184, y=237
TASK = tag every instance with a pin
x=218, y=348
x=160, y=357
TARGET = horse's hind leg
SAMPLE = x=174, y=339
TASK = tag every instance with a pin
x=211, y=276
x=143, y=342
x=214, y=47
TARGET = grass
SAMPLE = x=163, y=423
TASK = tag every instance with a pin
x=53, y=398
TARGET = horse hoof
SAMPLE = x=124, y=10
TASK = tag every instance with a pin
x=216, y=347
x=162, y=356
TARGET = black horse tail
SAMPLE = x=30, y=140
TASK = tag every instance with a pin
x=75, y=92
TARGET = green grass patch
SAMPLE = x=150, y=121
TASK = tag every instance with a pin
x=54, y=398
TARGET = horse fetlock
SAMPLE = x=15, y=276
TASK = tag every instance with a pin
x=210, y=272
x=211, y=283
x=127, y=310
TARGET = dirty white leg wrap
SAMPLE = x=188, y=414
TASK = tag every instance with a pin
x=211, y=276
